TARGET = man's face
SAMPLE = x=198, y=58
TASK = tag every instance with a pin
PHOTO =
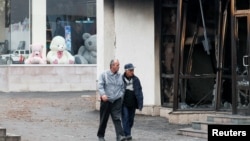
x=129, y=73
x=115, y=67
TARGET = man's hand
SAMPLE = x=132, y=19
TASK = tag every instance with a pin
x=104, y=98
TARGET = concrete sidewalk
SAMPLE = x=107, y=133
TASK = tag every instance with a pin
x=71, y=116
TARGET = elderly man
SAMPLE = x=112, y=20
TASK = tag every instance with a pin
x=111, y=89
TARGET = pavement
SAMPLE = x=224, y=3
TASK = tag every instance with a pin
x=71, y=116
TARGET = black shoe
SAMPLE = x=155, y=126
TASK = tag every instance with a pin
x=129, y=137
x=121, y=138
x=101, y=139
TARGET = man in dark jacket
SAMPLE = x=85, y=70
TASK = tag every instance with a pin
x=133, y=99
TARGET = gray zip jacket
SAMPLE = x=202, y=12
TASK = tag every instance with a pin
x=112, y=85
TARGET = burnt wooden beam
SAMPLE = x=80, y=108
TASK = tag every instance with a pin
x=248, y=48
x=177, y=55
x=189, y=76
x=218, y=50
x=183, y=35
x=241, y=12
x=233, y=58
x=221, y=57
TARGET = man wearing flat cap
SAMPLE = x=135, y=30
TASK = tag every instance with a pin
x=133, y=99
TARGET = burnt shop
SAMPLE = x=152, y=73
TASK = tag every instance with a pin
x=205, y=54
x=200, y=50
x=201, y=47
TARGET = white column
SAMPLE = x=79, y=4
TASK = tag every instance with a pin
x=100, y=36
x=105, y=34
x=38, y=28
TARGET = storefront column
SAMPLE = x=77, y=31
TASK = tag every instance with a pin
x=38, y=22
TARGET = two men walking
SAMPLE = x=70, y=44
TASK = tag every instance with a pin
x=115, y=89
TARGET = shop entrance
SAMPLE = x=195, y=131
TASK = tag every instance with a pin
x=241, y=57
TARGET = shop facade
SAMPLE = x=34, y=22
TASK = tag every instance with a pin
x=191, y=56
x=186, y=53
x=27, y=22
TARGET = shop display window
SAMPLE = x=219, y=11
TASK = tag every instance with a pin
x=73, y=19
x=15, y=29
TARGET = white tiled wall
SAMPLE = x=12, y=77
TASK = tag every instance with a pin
x=20, y=78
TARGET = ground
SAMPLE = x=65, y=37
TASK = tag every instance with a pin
x=71, y=116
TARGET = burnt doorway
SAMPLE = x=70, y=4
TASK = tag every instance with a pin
x=241, y=56
x=195, y=54
x=195, y=71
x=188, y=55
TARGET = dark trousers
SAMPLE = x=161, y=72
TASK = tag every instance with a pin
x=113, y=109
x=128, y=115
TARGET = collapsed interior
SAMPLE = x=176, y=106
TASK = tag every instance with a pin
x=204, y=52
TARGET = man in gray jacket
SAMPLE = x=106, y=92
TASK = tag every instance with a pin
x=111, y=89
